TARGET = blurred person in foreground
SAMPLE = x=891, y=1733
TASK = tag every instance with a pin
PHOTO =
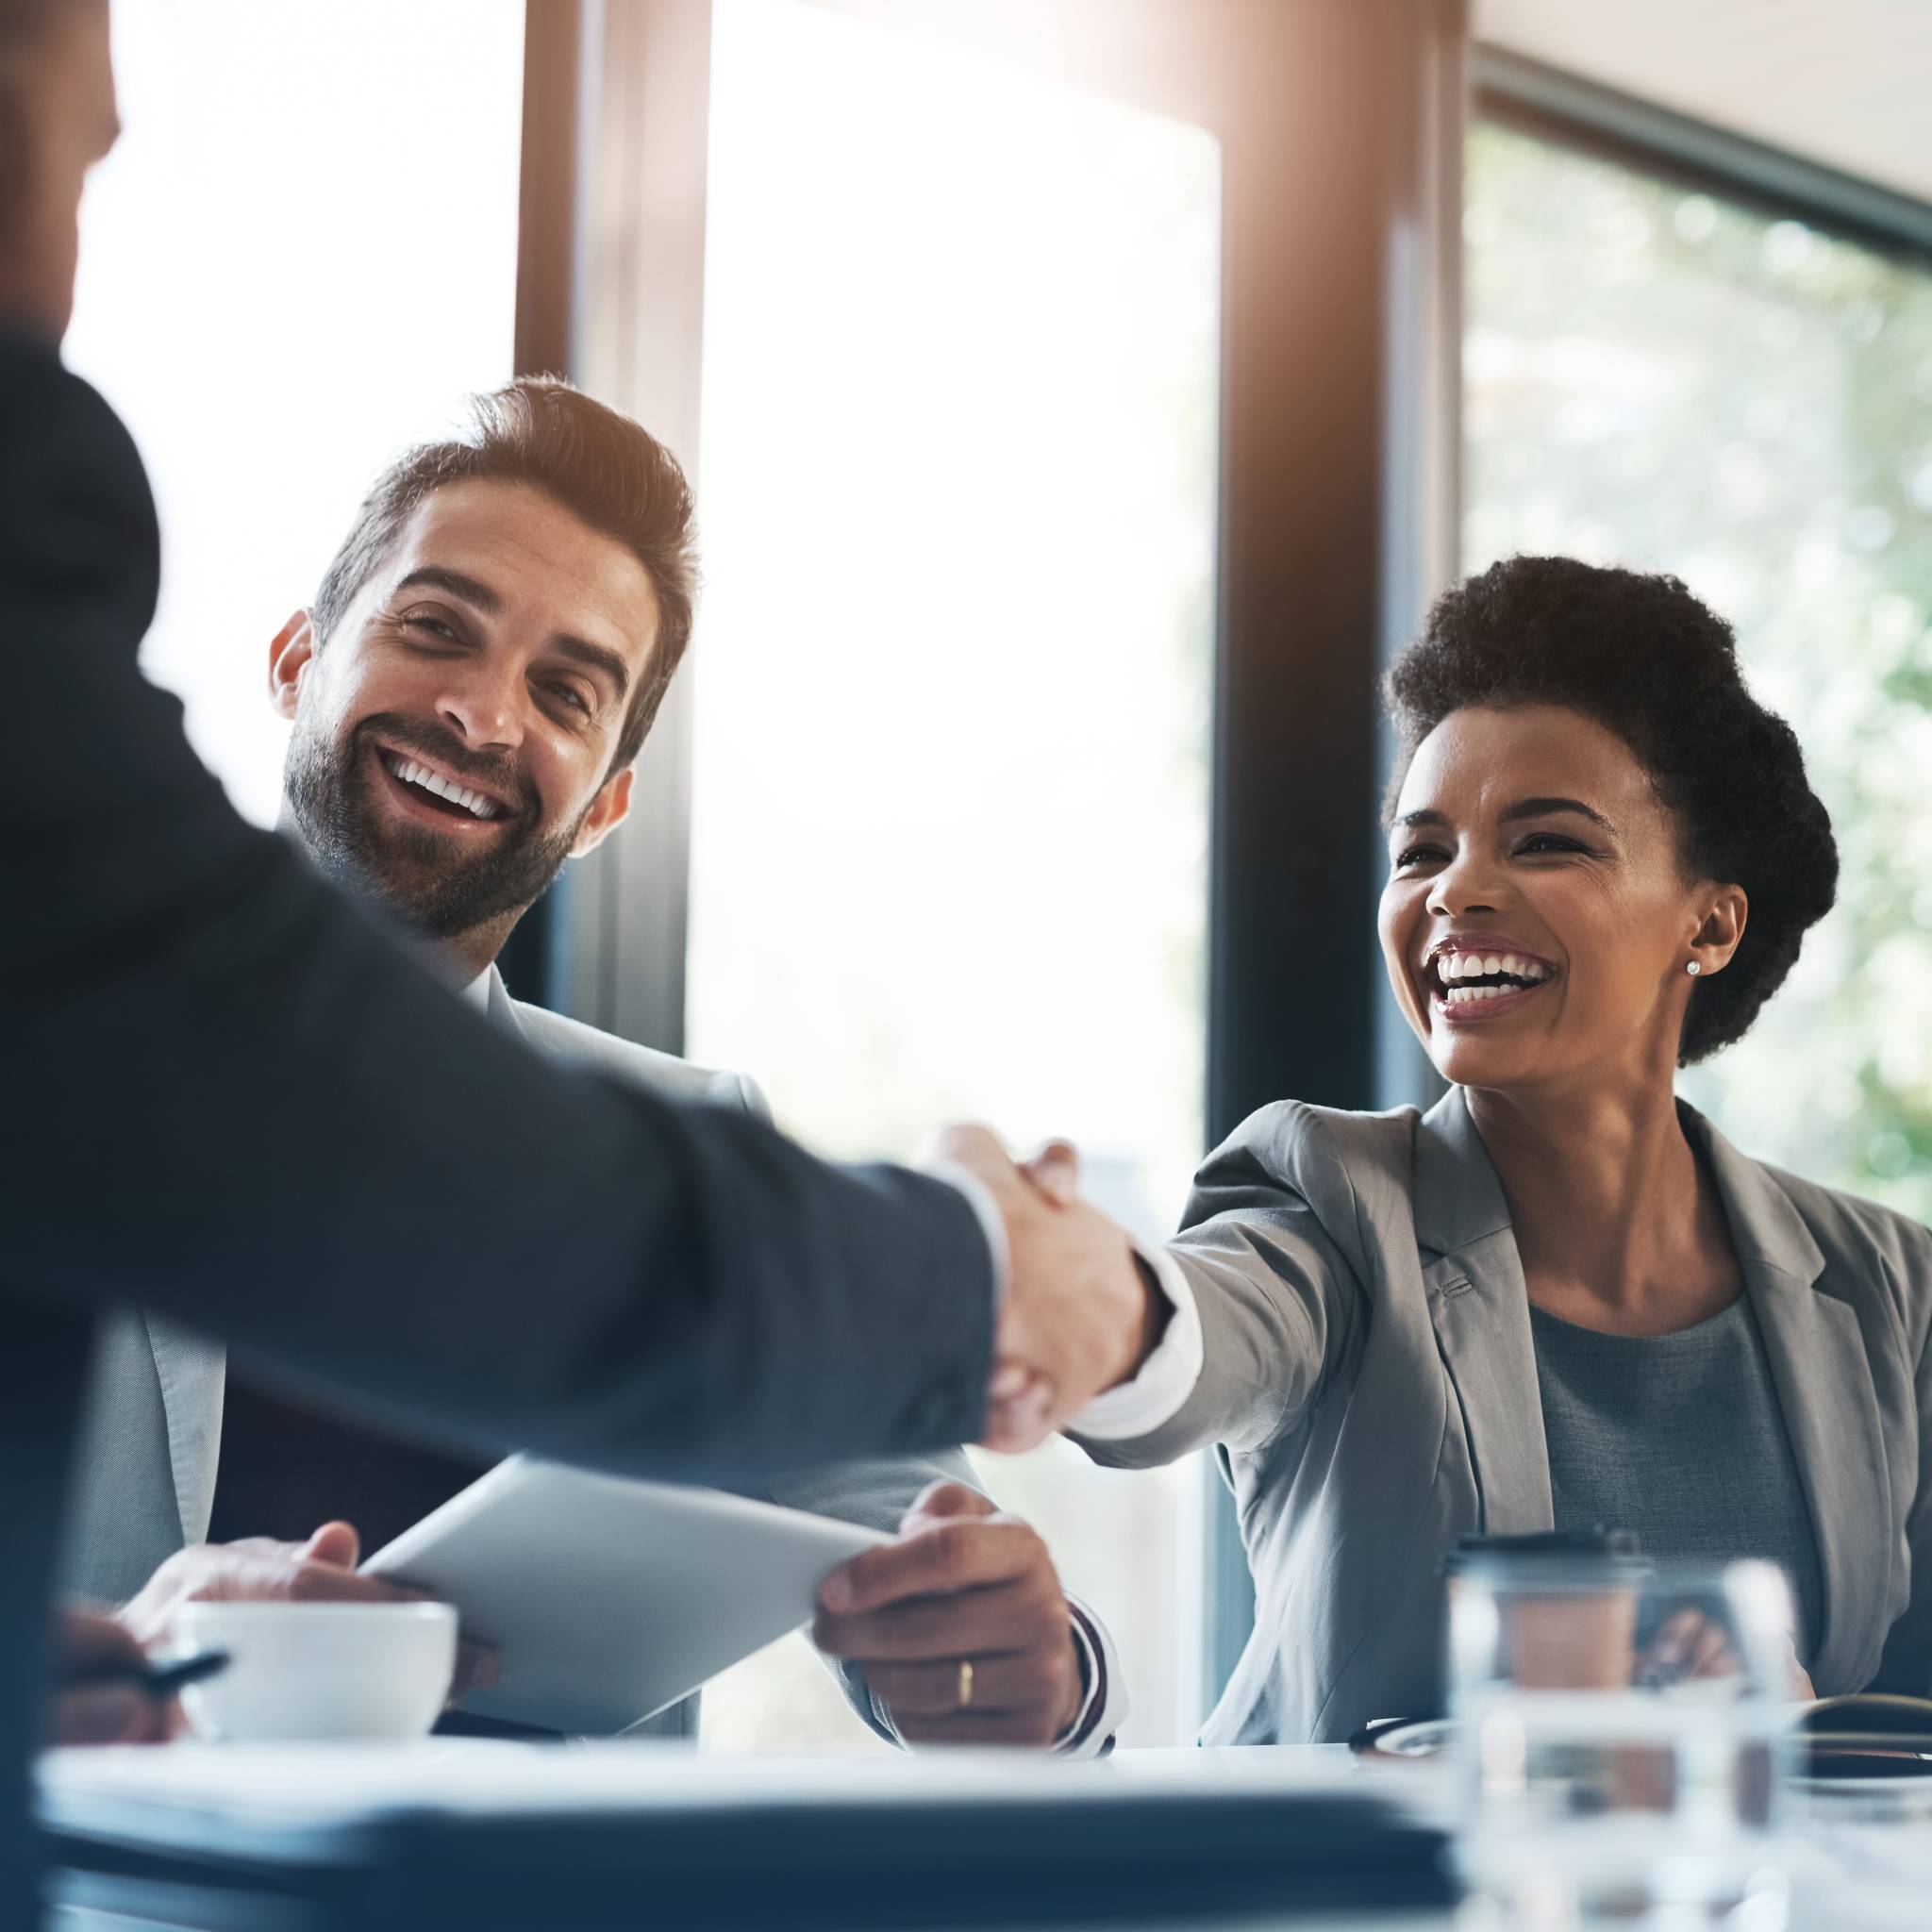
x=469, y=691
x=190, y=1002
x=1561, y=1298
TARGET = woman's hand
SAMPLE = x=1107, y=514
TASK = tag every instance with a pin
x=259, y=1570
x=1690, y=1645
x=114, y=1711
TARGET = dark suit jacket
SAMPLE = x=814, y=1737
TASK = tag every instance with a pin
x=215, y=1072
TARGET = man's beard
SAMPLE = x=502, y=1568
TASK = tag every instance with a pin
x=415, y=875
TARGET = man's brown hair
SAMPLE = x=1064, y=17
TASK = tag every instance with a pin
x=599, y=464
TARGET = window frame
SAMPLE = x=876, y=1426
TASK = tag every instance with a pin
x=1337, y=485
x=1583, y=114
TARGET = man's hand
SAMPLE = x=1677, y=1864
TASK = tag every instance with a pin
x=963, y=1585
x=113, y=1711
x=259, y=1570
x=1077, y=1311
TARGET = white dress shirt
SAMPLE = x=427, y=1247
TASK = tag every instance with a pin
x=1167, y=1377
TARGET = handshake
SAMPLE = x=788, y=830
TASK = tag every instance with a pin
x=1081, y=1312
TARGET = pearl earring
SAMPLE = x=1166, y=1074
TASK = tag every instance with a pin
x=1694, y=969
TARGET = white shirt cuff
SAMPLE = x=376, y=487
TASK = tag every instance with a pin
x=992, y=1224
x=1168, y=1376
x=1104, y=1709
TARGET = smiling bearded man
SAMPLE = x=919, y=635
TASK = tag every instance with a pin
x=512, y=608
x=468, y=693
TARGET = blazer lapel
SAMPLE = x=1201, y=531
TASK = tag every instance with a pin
x=192, y=1371
x=1830, y=1404
x=1480, y=1305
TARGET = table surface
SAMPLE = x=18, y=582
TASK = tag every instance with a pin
x=1847, y=1877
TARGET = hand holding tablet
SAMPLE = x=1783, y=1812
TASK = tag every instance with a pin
x=607, y=1600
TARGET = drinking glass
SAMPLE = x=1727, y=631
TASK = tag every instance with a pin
x=1619, y=1739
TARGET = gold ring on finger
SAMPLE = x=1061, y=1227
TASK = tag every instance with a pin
x=965, y=1683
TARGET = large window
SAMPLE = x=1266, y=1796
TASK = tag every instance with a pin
x=302, y=252
x=1658, y=375
x=974, y=373
x=953, y=673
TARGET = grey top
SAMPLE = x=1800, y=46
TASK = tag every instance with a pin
x=1679, y=1438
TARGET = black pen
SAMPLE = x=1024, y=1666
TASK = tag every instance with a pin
x=160, y=1681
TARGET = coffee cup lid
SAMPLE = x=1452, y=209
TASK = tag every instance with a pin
x=1582, y=1555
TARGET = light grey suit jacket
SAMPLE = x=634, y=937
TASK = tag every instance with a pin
x=145, y=1476
x=1369, y=1381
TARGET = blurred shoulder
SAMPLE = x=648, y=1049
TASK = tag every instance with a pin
x=1865, y=1238
x=1293, y=1136
x=625, y=1060
x=76, y=513
x=1329, y=1158
x=50, y=412
x=1870, y=1258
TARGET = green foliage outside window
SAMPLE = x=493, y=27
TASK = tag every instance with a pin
x=1659, y=378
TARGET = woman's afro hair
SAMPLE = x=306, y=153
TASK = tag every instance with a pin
x=1645, y=658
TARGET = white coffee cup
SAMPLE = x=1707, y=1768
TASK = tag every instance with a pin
x=317, y=1671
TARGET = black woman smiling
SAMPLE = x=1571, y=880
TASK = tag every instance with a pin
x=1561, y=1297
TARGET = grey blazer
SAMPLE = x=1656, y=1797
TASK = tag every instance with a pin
x=1370, y=1383
x=152, y=1428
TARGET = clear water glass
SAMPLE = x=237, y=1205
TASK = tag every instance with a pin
x=1619, y=1741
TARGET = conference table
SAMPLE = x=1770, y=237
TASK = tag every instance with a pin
x=492, y=1837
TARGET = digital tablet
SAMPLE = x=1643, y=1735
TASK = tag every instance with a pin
x=606, y=1599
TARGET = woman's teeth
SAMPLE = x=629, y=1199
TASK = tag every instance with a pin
x=1457, y=974
x=1485, y=966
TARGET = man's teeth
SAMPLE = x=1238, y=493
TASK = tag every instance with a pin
x=411, y=773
